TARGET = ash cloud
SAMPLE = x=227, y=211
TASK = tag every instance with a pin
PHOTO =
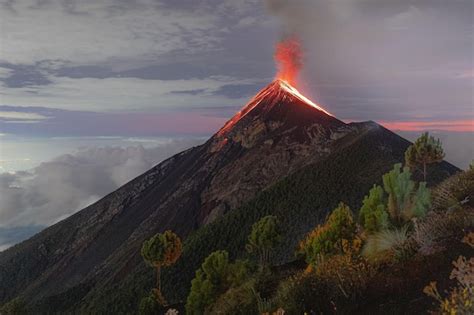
x=415, y=51
x=70, y=182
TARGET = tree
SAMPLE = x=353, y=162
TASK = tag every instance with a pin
x=161, y=250
x=215, y=276
x=328, y=239
x=373, y=214
x=426, y=150
x=148, y=305
x=209, y=281
x=263, y=238
x=404, y=202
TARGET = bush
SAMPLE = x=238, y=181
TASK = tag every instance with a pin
x=16, y=306
x=237, y=300
x=328, y=238
x=373, y=215
x=461, y=298
x=456, y=192
x=386, y=244
x=404, y=200
x=149, y=306
x=298, y=295
x=345, y=276
x=215, y=277
x=435, y=231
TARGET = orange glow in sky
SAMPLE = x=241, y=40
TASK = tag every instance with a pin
x=445, y=125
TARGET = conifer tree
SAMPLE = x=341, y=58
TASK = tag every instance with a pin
x=328, y=239
x=373, y=214
x=403, y=201
x=263, y=238
x=207, y=282
x=426, y=150
x=161, y=250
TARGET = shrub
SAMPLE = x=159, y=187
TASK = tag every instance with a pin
x=461, y=298
x=456, y=192
x=435, y=231
x=215, y=277
x=347, y=275
x=400, y=200
x=236, y=300
x=328, y=238
x=16, y=306
x=373, y=215
x=297, y=294
x=404, y=202
x=149, y=305
x=386, y=244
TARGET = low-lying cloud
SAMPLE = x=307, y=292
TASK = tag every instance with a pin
x=58, y=188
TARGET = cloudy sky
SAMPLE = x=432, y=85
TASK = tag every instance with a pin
x=118, y=85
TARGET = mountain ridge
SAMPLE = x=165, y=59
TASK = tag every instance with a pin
x=278, y=136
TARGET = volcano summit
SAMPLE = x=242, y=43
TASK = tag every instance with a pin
x=91, y=260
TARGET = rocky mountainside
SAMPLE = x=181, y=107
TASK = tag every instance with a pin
x=277, y=134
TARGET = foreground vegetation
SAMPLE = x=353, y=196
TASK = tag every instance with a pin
x=296, y=248
x=341, y=264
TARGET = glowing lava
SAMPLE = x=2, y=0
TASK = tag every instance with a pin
x=289, y=59
x=286, y=86
x=275, y=93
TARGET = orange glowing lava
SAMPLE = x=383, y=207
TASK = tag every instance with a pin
x=286, y=86
x=289, y=59
x=273, y=93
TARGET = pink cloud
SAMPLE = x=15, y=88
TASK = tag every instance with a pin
x=445, y=125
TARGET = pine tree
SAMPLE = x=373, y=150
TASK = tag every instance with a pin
x=263, y=238
x=404, y=202
x=161, y=250
x=373, y=214
x=328, y=239
x=426, y=150
x=216, y=275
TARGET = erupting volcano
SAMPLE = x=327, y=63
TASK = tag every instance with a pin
x=280, y=101
x=274, y=102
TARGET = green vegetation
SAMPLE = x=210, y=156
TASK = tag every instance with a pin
x=404, y=200
x=456, y=192
x=16, y=306
x=161, y=250
x=426, y=150
x=215, y=277
x=149, y=305
x=373, y=215
x=344, y=260
x=460, y=299
x=300, y=202
x=328, y=239
x=264, y=237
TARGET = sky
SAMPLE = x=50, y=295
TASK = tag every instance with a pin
x=119, y=85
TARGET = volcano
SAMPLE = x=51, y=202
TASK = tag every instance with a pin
x=91, y=261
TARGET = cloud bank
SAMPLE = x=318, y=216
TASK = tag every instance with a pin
x=58, y=188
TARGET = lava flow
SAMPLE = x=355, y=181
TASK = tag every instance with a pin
x=286, y=86
x=276, y=92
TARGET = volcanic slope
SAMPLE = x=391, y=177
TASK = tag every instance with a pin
x=91, y=260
